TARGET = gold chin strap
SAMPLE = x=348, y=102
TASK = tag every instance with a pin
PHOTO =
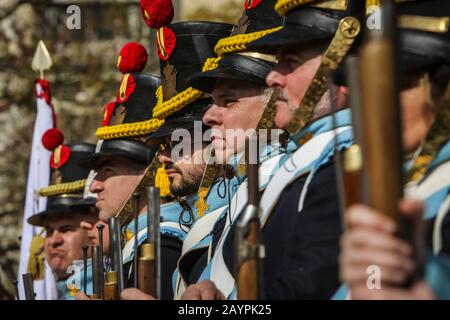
x=349, y=28
x=267, y=119
x=437, y=136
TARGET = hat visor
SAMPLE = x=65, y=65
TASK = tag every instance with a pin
x=91, y=161
x=113, y=148
x=205, y=81
x=291, y=34
x=80, y=206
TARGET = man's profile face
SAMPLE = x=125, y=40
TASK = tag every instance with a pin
x=114, y=183
x=238, y=107
x=293, y=74
x=186, y=170
x=63, y=242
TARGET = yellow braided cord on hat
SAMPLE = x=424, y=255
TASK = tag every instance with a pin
x=239, y=42
x=128, y=129
x=165, y=109
x=284, y=6
x=162, y=181
x=35, y=264
x=63, y=188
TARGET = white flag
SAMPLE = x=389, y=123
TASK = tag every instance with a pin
x=38, y=177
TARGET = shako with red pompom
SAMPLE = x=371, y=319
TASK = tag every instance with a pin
x=133, y=58
x=157, y=13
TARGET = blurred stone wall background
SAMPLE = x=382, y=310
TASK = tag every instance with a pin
x=83, y=78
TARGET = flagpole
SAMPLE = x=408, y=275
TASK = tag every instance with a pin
x=38, y=176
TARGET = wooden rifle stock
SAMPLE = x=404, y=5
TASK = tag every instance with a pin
x=381, y=118
x=248, y=242
x=381, y=114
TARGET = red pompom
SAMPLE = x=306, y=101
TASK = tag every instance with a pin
x=250, y=4
x=157, y=13
x=133, y=58
x=108, y=111
x=166, y=40
x=52, y=138
x=63, y=154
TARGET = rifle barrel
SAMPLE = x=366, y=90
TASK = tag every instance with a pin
x=28, y=286
x=248, y=243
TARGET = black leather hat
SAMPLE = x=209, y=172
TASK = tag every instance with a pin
x=128, y=122
x=65, y=192
x=238, y=63
x=308, y=22
x=195, y=42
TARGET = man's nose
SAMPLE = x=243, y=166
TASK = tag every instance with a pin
x=213, y=116
x=55, y=239
x=96, y=186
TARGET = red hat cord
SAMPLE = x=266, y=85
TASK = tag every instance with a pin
x=166, y=41
x=133, y=58
x=250, y=4
x=108, y=112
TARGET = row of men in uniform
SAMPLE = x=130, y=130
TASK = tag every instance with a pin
x=256, y=75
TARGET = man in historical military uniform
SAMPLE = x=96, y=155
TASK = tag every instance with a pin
x=124, y=160
x=300, y=210
x=186, y=172
x=65, y=211
x=200, y=38
x=370, y=237
x=242, y=103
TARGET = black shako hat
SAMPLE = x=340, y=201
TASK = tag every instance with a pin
x=238, y=63
x=308, y=21
x=128, y=122
x=65, y=192
x=184, y=48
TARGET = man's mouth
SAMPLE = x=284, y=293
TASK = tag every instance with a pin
x=171, y=170
x=56, y=253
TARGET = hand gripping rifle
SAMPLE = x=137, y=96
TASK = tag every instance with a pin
x=248, y=245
